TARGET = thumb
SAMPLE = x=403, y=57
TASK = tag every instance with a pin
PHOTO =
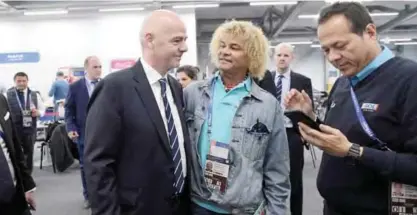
x=328, y=130
x=305, y=95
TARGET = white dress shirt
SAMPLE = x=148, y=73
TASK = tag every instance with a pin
x=90, y=86
x=286, y=85
x=153, y=78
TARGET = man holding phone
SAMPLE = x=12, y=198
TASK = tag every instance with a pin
x=370, y=134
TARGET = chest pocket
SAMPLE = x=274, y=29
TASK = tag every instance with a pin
x=255, y=141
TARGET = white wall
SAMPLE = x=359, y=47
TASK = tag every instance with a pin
x=67, y=42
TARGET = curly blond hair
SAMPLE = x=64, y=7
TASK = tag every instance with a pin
x=256, y=45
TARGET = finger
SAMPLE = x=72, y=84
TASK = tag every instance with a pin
x=317, y=135
x=329, y=130
x=305, y=95
x=308, y=138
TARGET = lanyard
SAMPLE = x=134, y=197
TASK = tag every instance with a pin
x=364, y=124
x=210, y=106
x=27, y=101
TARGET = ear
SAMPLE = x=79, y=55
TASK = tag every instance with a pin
x=370, y=31
x=149, y=38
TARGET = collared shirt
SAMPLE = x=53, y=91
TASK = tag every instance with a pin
x=286, y=84
x=380, y=59
x=153, y=77
x=224, y=106
x=41, y=106
x=90, y=85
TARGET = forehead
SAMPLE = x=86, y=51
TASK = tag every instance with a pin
x=175, y=28
x=334, y=29
x=94, y=61
x=231, y=39
x=21, y=78
x=283, y=50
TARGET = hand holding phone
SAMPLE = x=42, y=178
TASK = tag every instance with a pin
x=298, y=116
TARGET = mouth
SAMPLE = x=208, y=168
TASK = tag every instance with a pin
x=224, y=60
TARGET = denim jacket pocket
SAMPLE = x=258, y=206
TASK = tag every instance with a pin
x=254, y=144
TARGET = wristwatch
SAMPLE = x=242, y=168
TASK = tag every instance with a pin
x=354, y=151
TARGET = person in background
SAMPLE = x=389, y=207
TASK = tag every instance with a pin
x=76, y=110
x=239, y=128
x=137, y=145
x=26, y=107
x=187, y=74
x=59, y=89
x=369, y=135
x=17, y=185
x=285, y=79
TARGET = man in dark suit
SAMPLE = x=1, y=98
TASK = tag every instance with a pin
x=76, y=110
x=267, y=83
x=136, y=137
x=16, y=186
x=285, y=79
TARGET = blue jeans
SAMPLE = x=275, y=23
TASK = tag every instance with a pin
x=197, y=210
x=80, y=146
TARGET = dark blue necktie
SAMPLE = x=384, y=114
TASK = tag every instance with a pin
x=173, y=139
x=21, y=98
x=279, y=88
x=7, y=188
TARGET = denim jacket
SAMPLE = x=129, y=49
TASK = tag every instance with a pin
x=259, y=170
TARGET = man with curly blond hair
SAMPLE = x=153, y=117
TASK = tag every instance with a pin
x=240, y=158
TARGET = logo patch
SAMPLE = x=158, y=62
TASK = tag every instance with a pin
x=370, y=107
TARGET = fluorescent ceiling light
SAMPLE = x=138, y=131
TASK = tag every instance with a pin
x=384, y=14
x=388, y=40
x=272, y=3
x=300, y=43
x=405, y=43
x=50, y=12
x=316, y=16
x=121, y=9
x=315, y=46
x=195, y=6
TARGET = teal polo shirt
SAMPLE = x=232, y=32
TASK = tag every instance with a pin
x=224, y=106
x=380, y=59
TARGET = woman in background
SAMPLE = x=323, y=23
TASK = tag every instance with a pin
x=186, y=74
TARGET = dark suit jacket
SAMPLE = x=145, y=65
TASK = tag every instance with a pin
x=267, y=83
x=24, y=182
x=127, y=157
x=76, y=106
x=299, y=82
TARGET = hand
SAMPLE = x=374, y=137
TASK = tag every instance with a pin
x=296, y=100
x=73, y=135
x=30, y=199
x=35, y=113
x=330, y=140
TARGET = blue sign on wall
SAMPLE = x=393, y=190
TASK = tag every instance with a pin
x=19, y=57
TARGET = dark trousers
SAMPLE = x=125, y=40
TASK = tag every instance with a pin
x=28, y=143
x=296, y=171
x=329, y=210
x=80, y=146
x=197, y=210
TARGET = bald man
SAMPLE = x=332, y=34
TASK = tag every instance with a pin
x=286, y=79
x=76, y=103
x=136, y=140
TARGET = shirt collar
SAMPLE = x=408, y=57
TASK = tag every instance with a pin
x=380, y=59
x=247, y=83
x=286, y=74
x=88, y=80
x=152, y=75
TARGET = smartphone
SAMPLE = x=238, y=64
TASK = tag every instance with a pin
x=298, y=116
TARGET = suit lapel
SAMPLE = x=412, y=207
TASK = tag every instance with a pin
x=144, y=90
x=294, y=83
x=8, y=139
x=84, y=90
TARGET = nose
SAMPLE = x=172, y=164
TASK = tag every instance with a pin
x=333, y=56
x=184, y=47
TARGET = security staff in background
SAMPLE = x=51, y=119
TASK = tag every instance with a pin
x=25, y=108
x=76, y=110
x=377, y=92
x=17, y=186
x=285, y=79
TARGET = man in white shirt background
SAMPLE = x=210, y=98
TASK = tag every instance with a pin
x=26, y=106
x=286, y=79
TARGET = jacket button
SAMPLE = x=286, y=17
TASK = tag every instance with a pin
x=195, y=129
x=203, y=108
